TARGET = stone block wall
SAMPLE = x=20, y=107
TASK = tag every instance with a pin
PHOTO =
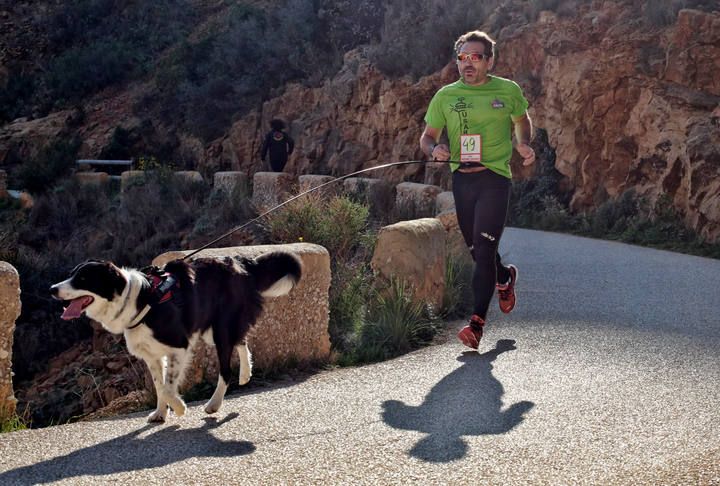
x=415, y=200
x=9, y=312
x=231, y=182
x=414, y=251
x=309, y=181
x=92, y=178
x=378, y=194
x=271, y=189
x=437, y=174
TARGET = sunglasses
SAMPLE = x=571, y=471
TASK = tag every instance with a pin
x=472, y=57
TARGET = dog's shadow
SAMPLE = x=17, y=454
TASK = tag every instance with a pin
x=130, y=452
x=467, y=402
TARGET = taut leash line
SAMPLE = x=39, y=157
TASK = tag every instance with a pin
x=338, y=179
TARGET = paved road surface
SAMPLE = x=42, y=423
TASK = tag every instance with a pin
x=608, y=372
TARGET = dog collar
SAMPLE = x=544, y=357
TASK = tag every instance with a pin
x=161, y=284
x=138, y=319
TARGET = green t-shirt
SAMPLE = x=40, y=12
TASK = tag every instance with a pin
x=484, y=110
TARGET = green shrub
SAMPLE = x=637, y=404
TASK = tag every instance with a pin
x=53, y=163
x=238, y=63
x=395, y=324
x=349, y=291
x=88, y=69
x=221, y=213
x=12, y=422
x=337, y=224
x=397, y=53
x=457, y=298
x=155, y=214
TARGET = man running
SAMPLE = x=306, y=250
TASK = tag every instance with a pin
x=479, y=111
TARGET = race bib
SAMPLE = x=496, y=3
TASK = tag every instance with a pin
x=470, y=148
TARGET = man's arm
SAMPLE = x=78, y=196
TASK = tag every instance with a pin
x=523, y=136
x=430, y=147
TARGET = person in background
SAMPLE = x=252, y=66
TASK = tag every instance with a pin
x=479, y=112
x=278, y=144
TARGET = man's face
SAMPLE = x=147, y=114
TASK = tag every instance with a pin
x=473, y=63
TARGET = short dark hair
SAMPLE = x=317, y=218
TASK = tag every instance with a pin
x=476, y=36
x=277, y=124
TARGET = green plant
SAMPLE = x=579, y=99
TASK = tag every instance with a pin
x=395, y=324
x=457, y=298
x=337, y=224
x=349, y=291
x=441, y=26
x=12, y=421
x=222, y=212
x=53, y=163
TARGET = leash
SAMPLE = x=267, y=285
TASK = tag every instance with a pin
x=338, y=179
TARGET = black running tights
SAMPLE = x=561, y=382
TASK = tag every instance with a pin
x=481, y=202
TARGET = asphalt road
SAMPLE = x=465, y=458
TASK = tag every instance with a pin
x=607, y=372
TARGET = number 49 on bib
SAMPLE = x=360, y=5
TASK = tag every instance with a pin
x=470, y=148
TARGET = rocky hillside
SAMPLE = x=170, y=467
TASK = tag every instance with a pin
x=628, y=94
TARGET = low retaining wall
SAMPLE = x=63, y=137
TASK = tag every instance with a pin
x=292, y=328
x=414, y=251
x=9, y=312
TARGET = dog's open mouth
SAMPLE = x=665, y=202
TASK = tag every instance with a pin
x=76, y=307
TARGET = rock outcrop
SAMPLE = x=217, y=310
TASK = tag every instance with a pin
x=627, y=105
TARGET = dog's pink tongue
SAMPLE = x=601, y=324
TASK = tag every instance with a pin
x=76, y=307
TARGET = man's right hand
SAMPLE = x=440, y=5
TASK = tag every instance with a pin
x=441, y=152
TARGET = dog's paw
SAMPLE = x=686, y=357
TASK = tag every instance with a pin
x=213, y=406
x=156, y=417
x=178, y=407
x=245, y=378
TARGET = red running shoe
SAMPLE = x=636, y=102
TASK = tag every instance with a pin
x=471, y=334
x=506, y=292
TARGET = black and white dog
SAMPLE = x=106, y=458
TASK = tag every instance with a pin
x=161, y=319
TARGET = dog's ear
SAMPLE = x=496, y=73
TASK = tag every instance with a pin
x=80, y=265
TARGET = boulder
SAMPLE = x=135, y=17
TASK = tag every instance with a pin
x=190, y=175
x=130, y=177
x=9, y=311
x=414, y=251
x=444, y=201
x=92, y=178
x=415, y=200
x=271, y=189
x=437, y=174
x=377, y=193
x=231, y=182
x=308, y=181
x=456, y=245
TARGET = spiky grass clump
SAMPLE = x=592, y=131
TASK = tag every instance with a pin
x=457, y=298
x=395, y=324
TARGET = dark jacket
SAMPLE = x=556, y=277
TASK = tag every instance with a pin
x=280, y=145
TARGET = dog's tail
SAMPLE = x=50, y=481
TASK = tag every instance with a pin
x=275, y=273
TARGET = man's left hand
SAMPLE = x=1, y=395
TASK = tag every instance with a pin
x=526, y=152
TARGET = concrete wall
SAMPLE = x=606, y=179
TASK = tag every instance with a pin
x=9, y=312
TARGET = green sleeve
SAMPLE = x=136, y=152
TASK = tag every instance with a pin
x=520, y=104
x=434, y=116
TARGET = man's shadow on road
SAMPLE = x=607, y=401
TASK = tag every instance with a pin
x=131, y=453
x=466, y=402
